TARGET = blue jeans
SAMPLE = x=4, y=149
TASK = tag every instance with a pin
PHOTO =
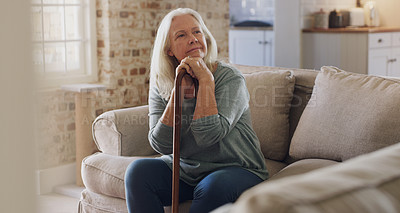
x=148, y=187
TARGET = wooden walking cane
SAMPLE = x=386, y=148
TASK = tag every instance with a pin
x=177, y=137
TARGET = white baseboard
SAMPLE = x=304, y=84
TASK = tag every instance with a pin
x=48, y=179
x=70, y=190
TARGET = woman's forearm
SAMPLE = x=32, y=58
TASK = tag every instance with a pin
x=206, y=104
x=167, y=117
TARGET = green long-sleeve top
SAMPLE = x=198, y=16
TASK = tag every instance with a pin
x=213, y=142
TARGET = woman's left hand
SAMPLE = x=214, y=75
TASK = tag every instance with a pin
x=198, y=69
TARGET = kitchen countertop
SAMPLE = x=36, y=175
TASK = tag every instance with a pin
x=354, y=30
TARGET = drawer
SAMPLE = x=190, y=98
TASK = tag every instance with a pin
x=396, y=39
x=377, y=40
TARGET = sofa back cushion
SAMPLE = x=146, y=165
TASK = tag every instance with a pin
x=301, y=95
x=271, y=93
x=348, y=115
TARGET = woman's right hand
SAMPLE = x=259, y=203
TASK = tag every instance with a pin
x=187, y=82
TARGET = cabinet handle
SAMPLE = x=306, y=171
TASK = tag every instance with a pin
x=380, y=40
x=263, y=42
x=392, y=60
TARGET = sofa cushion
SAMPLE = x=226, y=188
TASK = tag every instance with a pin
x=104, y=174
x=301, y=95
x=92, y=202
x=274, y=167
x=112, y=132
x=301, y=167
x=369, y=183
x=271, y=93
x=99, y=203
x=348, y=115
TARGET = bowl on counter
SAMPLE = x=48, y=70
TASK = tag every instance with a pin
x=253, y=23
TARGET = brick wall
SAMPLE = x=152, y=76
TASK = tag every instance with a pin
x=55, y=138
x=125, y=34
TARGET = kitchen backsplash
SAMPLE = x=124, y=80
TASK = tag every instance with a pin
x=254, y=10
x=308, y=7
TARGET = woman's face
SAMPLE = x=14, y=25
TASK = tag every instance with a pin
x=186, y=38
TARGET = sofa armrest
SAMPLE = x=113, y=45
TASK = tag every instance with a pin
x=368, y=183
x=123, y=132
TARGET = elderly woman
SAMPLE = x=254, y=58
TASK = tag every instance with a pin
x=220, y=152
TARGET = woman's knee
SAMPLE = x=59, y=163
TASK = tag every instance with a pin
x=135, y=168
x=141, y=170
x=227, y=184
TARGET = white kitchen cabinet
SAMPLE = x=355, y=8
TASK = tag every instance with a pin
x=347, y=51
x=251, y=47
x=395, y=62
x=384, y=54
x=378, y=61
x=366, y=53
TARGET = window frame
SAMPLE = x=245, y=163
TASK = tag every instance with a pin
x=89, y=64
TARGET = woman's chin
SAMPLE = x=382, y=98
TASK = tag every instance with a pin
x=196, y=54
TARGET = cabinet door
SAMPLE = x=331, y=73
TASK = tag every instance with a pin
x=347, y=51
x=396, y=39
x=269, y=59
x=321, y=49
x=394, y=64
x=246, y=47
x=378, y=61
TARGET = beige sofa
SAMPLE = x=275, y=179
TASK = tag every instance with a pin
x=307, y=121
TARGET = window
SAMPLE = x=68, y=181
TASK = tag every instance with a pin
x=63, y=35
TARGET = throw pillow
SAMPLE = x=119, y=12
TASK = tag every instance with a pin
x=271, y=93
x=348, y=115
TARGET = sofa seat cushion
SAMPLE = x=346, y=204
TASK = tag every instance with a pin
x=301, y=167
x=271, y=94
x=104, y=174
x=274, y=166
x=92, y=202
x=348, y=115
x=369, y=183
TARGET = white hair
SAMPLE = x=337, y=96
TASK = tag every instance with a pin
x=162, y=68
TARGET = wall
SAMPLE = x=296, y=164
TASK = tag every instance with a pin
x=17, y=192
x=389, y=12
x=287, y=33
x=125, y=34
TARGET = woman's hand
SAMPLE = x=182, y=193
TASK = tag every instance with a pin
x=197, y=69
x=187, y=81
x=206, y=104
